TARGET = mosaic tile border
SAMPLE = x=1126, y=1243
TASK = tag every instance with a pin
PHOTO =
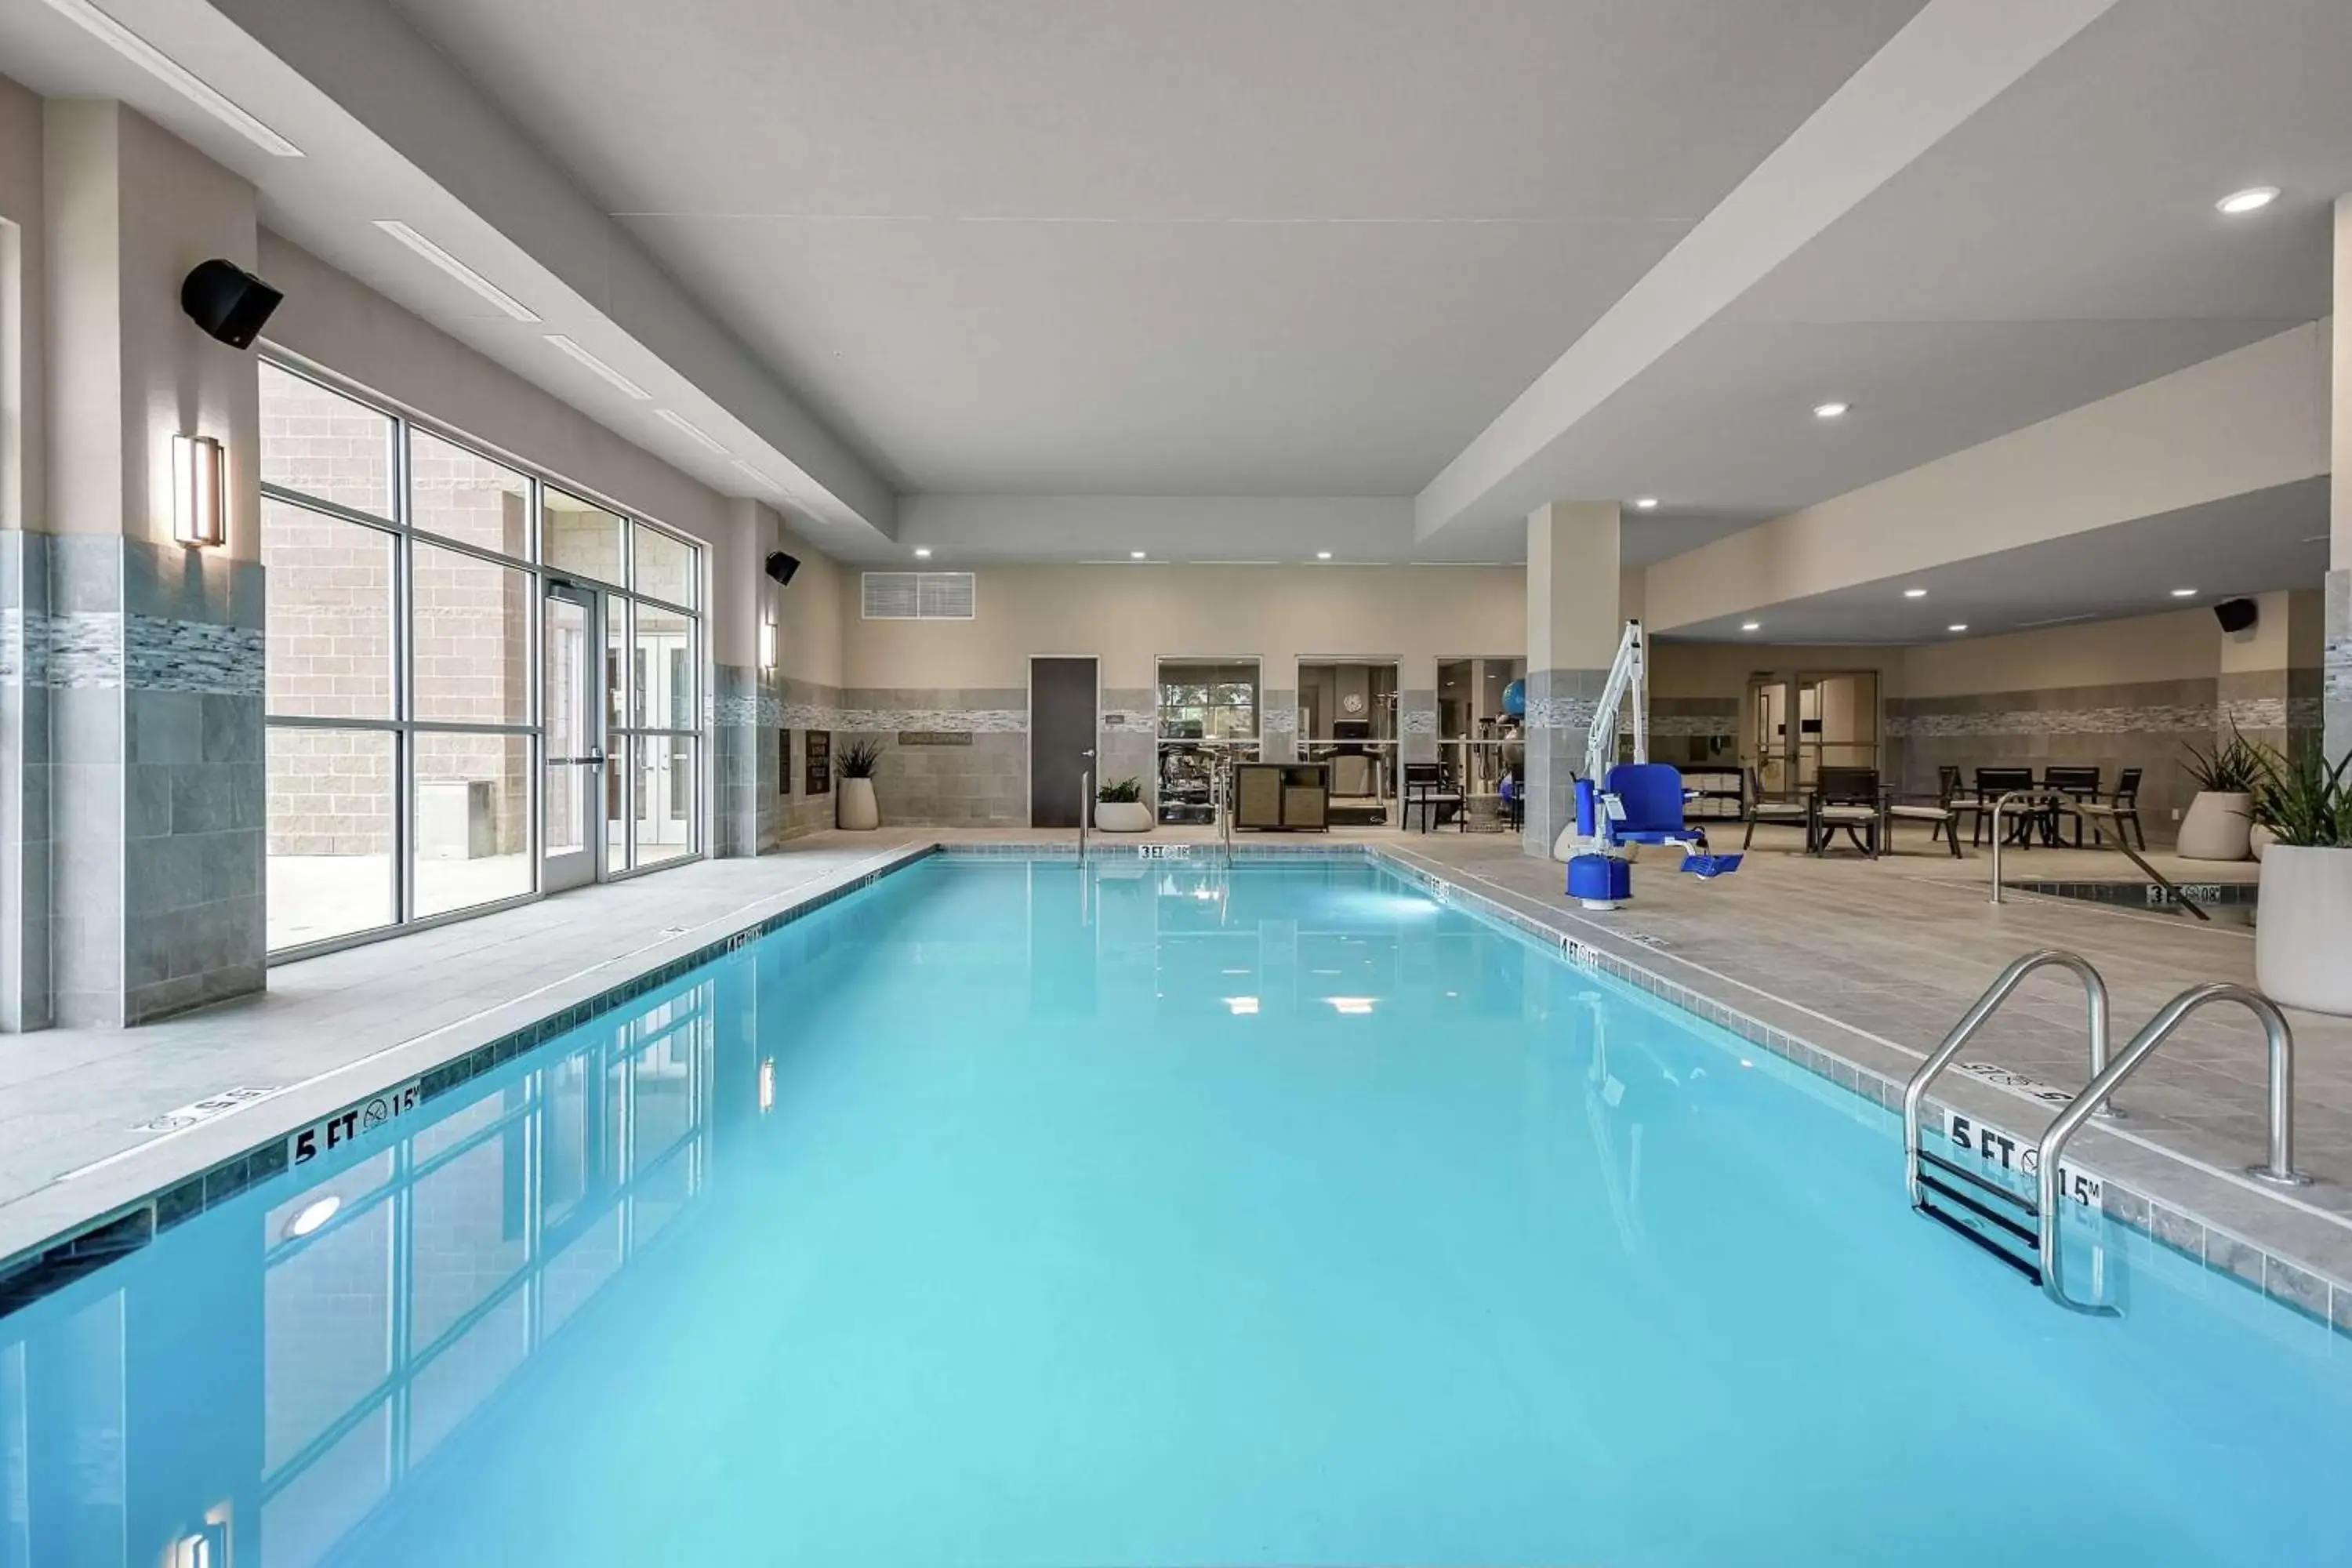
x=2194, y=720
x=107, y=651
x=889, y=720
x=2304, y=1291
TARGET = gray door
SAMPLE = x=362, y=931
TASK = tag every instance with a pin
x=1061, y=739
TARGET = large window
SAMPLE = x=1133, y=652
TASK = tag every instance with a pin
x=408, y=717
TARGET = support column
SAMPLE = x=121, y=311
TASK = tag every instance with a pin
x=154, y=664
x=1572, y=631
x=746, y=706
x=1417, y=709
x=1277, y=708
x=2270, y=674
x=2337, y=680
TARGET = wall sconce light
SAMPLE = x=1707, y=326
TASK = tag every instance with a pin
x=199, y=494
x=767, y=640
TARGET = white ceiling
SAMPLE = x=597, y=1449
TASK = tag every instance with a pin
x=1255, y=252
x=2058, y=246
x=1222, y=247
x=2246, y=544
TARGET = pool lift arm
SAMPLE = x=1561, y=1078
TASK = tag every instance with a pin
x=1617, y=807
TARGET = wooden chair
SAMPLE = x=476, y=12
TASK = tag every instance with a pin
x=2077, y=785
x=1847, y=798
x=2123, y=809
x=1945, y=812
x=1991, y=784
x=1425, y=788
x=1755, y=808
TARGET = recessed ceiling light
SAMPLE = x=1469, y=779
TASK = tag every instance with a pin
x=756, y=474
x=2253, y=199
x=179, y=78
x=1646, y=503
x=1135, y=555
x=1830, y=410
x=1322, y=556
x=1915, y=592
x=2184, y=593
x=922, y=553
x=599, y=367
x=313, y=1216
x=1751, y=625
x=1958, y=627
x=456, y=268
x=694, y=431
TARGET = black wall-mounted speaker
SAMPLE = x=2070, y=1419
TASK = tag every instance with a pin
x=228, y=302
x=2237, y=615
x=781, y=566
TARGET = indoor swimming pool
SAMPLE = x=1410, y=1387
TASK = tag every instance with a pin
x=1147, y=1213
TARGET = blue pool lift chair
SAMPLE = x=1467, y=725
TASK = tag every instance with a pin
x=1651, y=794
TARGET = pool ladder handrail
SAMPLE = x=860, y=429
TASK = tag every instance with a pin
x=1226, y=781
x=2096, y=1098
x=1085, y=810
x=2089, y=808
x=1918, y=1184
x=1915, y=1092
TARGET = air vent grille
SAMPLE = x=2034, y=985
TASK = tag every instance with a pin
x=919, y=595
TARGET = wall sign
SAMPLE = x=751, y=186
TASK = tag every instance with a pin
x=334, y=1131
x=817, y=753
x=1998, y=1147
x=207, y=1107
x=935, y=737
x=784, y=762
x=1165, y=851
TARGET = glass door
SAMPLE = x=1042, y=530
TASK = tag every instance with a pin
x=575, y=718
x=1768, y=739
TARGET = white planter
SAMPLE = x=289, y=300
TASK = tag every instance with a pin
x=853, y=806
x=2218, y=828
x=1122, y=816
x=2261, y=839
x=2302, y=929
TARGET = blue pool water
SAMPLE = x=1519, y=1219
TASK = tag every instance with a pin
x=1164, y=1215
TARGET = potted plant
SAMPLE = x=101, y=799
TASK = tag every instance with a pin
x=2220, y=817
x=1119, y=808
x=2303, y=918
x=855, y=809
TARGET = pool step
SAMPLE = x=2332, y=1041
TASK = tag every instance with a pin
x=1970, y=1205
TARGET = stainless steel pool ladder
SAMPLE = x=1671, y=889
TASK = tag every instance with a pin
x=1998, y=1206
x=2088, y=808
x=1225, y=804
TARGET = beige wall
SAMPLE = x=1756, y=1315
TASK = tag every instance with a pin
x=2245, y=421
x=809, y=615
x=22, y=233
x=2183, y=645
x=2291, y=634
x=1132, y=616
x=1687, y=669
x=130, y=210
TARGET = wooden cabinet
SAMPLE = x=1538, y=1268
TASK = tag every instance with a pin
x=1278, y=795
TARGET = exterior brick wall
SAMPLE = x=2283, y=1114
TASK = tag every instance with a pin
x=329, y=625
